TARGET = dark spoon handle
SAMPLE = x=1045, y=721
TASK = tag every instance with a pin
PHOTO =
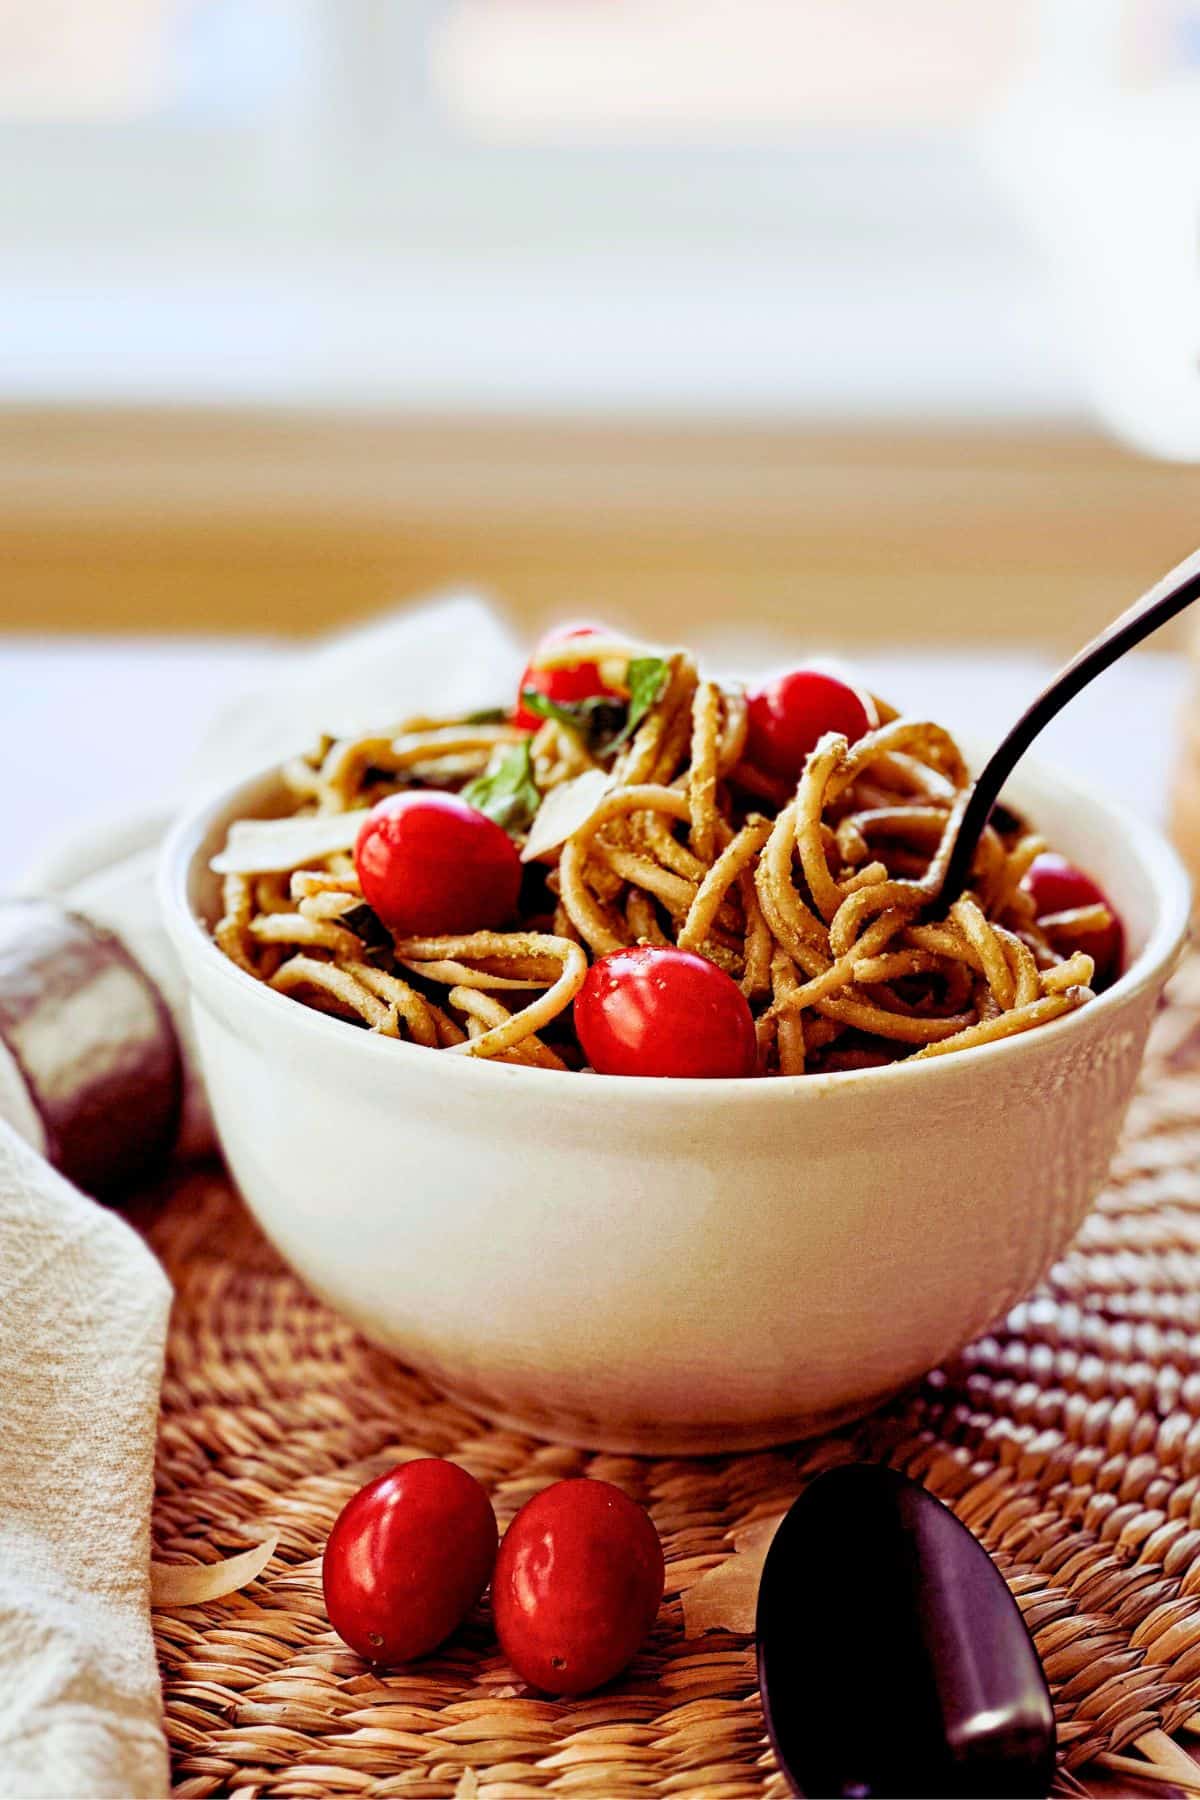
x=1160, y=603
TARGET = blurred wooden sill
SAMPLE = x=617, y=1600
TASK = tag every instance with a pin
x=209, y=522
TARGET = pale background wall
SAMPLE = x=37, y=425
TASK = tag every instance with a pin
x=818, y=316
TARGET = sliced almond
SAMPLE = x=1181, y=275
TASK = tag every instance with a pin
x=192, y=1584
x=726, y=1598
x=565, y=810
x=272, y=846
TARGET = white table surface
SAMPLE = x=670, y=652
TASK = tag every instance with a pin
x=91, y=730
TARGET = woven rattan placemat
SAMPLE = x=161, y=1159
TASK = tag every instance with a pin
x=1068, y=1439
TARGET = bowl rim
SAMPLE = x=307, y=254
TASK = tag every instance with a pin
x=1156, y=857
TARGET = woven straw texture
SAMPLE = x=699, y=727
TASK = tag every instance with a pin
x=1068, y=1439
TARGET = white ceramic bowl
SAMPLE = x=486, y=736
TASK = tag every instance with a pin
x=674, y=1266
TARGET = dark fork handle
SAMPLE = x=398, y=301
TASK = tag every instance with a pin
x=1160, y=603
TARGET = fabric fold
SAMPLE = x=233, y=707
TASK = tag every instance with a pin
x=83, y=1320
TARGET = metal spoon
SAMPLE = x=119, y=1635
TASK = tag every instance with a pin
x=1160, y=603
x=892, y=1658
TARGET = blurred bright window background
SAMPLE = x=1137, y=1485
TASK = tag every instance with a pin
x=807, y=208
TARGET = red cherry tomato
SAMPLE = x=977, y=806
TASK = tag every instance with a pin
x=578, y=1582
x=430, y=864
x=1058, y=886
x=407, y=1559
x=654, y=1010
x=579, y=682
x=789, y=716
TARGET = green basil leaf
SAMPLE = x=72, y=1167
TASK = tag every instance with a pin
x=571, y=713
x=598, y=720
x=647, y=679
x=508, y=792
x=603, y=722
x=487, y=715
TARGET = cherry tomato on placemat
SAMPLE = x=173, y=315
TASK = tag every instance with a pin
x=655, y=1010
x=790, y=714
x=579, y=682
x=578, y=1582
x=407, y=1559
x=430, y=864
x=1058, y=886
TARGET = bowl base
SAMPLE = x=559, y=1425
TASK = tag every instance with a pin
x=645, y=1438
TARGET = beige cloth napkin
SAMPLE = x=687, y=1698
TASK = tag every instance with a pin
x=83, y=1319
x=83, y=1303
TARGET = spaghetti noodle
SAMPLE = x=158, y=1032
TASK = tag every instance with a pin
x=814, y=897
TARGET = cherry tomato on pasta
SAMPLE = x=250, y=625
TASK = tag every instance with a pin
x=579, y=682
x=430, y=864
x=407, y=1559
x=791, y=713
x=577, y=1585
x=655, y=1010
x=1058, y=886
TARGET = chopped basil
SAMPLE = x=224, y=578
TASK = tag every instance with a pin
x=507, y=793
x=603, y=722
x=647, y=679
x=600, y=720
x=487, y=715
x=376, y=938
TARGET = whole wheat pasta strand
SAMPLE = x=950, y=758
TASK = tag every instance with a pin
x=892, y=965
x=449, y=1030
x=1077, y=971
x=672, y=751
x=817, y=906
x=308, y=934
x=304, y=884
x=346, y=762
x=596, y=924
x=735, y=728
x=702, y=778
x=328, y=905
x=488, y=1012
x=1020, y=860
x=758, y=943
x=1023, y=966
x=271, y=894
x=328, y=978
x=639, y=761
x=792, y=921
x=1076, y=922
x=642, y=918
x=944, y=940
x=865, y=1015
x=540, y=1011
x=232, y=930
x=819, y=770
x=405, y=1001
x=937, y=750
x=851, y=843
x=1008, y=1024
x=675, y=893
x=867, y=902
x=870, y=876
x=983, y=940
x=479, y=946
x=656, y=836
x=482, y=975
x=922, y=824
x=725, y=872
x=841, y=973
x=789, y=1025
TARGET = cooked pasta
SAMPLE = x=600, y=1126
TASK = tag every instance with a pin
x=642, y=820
